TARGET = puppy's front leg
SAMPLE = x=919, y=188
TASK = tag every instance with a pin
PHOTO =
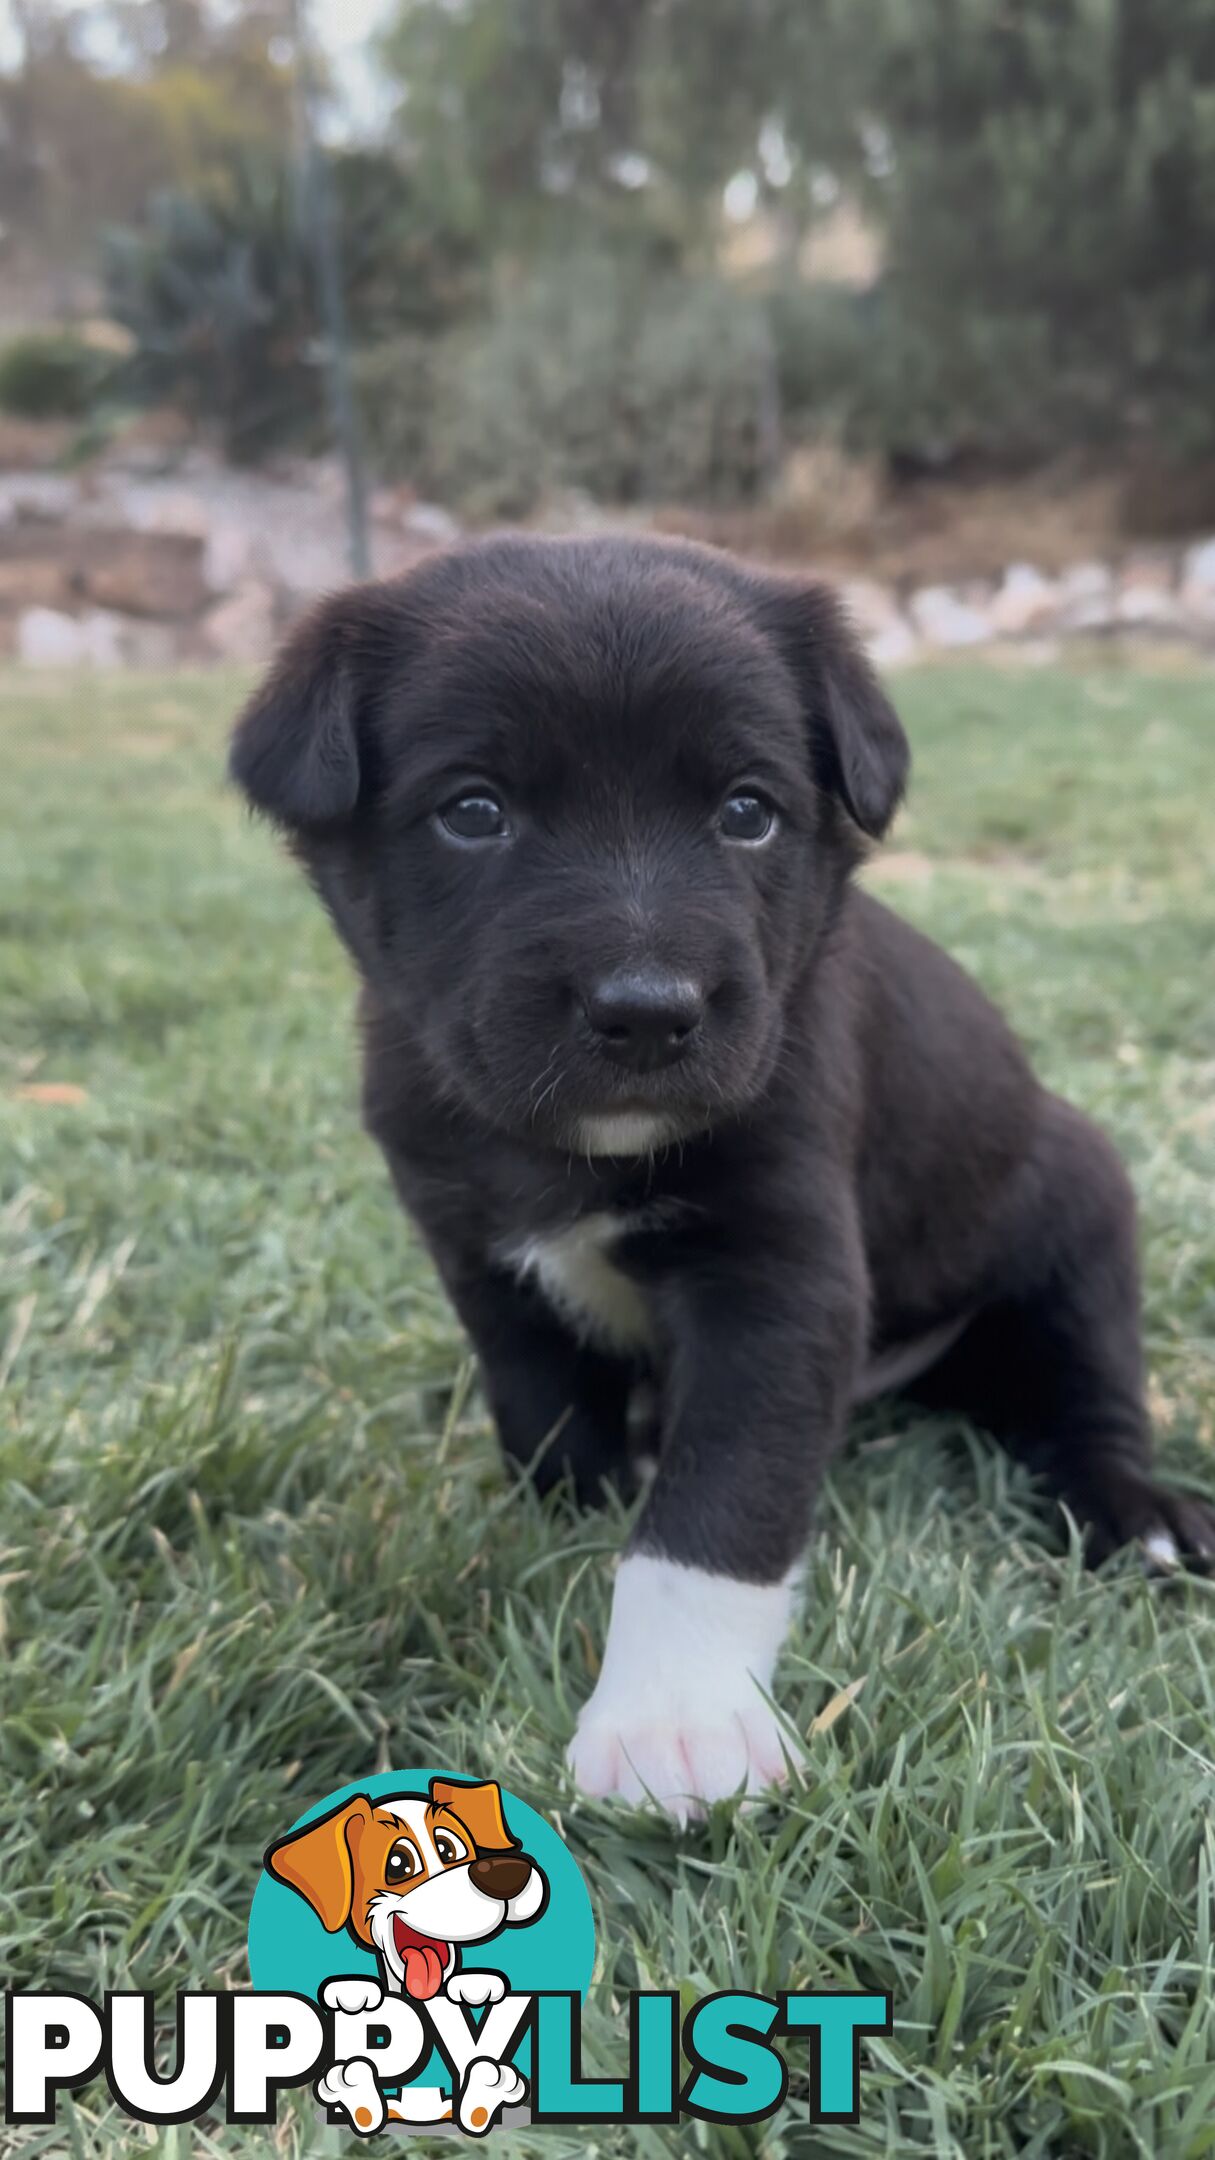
x=544, y=1385
x=763, y=1355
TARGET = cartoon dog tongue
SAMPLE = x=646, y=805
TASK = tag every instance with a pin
x=424, y=1960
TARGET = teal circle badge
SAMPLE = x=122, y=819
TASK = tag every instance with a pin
x=411, y=1877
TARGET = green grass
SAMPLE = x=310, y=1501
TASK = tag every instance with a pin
x=254, y=1545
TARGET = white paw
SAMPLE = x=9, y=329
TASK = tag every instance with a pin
x=475, y=1987
x=352, y=2087
x=682, y=1761
x=679, y=1713
x=1160, y=1552
x=488, y=2088
x=353, y=1994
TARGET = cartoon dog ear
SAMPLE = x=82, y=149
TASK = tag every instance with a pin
x=860, y=751
x=479, y=1808
x=299, y=748
x=318, y=1861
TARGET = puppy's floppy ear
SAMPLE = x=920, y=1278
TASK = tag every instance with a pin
x=318, y=1861
x=860, y=751
x=299, y=747
x=479, y=1808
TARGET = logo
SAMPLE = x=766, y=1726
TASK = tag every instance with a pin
x=420, y=1947
x=428, y=1913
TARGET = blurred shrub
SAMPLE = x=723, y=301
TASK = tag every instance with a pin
x=216, y=293
x=51, y=375
x=586, y=375
x=1044, y=174
x=706, y=395
x=399, y=385
x=411, y=261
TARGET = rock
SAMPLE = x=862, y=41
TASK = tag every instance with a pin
x=34, y=581
x=243, y=627
x=885, y=631
x=1089, y=601
x=37, y=495
x=146, y=573
x=947, y=620
x=33, y=445
x=895, y=646
x=430, y=522
x=1086, y=581
x=1144, y=602
x=1024, y=601
x=1199, y=566
x=99, y=638
x=230, y=554
x=1198, y=583
x=1149, y=566
x=48, y=638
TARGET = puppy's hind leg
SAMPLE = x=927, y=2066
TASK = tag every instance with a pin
x=1055, y=1366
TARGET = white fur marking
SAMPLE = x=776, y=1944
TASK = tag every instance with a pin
x=573, y=1270
x=678, y=1711
x=1160, y=1547
x=631, y=1132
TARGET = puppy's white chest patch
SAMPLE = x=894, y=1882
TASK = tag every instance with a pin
x=574, y=1269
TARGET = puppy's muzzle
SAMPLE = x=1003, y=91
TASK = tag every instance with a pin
x=500, y=1875
x=644, y=1020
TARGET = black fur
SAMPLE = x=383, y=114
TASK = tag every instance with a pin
x=860, y=1152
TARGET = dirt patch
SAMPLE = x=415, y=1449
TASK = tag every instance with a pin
x=929, y=531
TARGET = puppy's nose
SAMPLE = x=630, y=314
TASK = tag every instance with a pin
x=644, y=1020
x=500, y=1875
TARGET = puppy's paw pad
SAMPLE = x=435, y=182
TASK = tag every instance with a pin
x=475, y=1987
x=488, y=2088
x=354, y=1993
x=352, y=2087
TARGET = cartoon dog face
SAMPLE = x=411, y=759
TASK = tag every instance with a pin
x=412, y=1876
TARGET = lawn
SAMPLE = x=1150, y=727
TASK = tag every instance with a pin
x=256, y=1543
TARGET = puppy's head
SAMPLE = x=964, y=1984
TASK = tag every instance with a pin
x=414, y=1875
x=581, y=809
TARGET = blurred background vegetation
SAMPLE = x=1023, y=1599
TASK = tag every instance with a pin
x=652, y=250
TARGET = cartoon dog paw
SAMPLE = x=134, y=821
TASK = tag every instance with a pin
x=488, y=2088
x=352, y=2087
x=475, y=1988
x=353, y=1994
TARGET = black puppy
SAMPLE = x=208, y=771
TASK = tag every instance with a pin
x=669, y=1097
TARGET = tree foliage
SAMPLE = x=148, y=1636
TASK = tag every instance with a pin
x=1048, y=199
x=1039, y=176
x=1042, y=174
x=81, y=146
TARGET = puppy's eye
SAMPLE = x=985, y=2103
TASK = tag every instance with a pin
x=747, y=818
x=402, y=1862
x=449, y=1848
x=474, y=817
